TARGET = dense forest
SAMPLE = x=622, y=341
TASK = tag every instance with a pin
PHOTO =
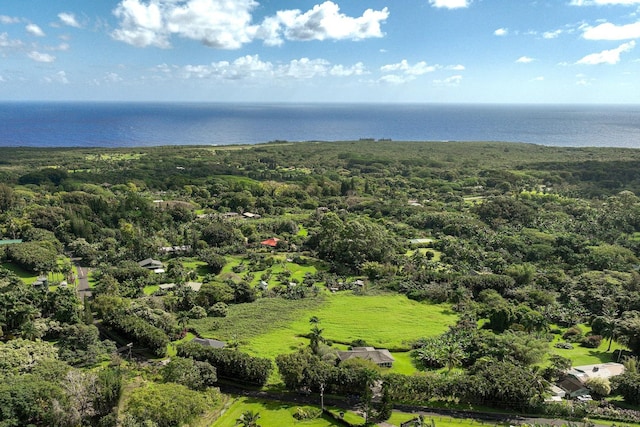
x=487, y=270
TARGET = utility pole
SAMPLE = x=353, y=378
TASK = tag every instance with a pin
x=322, y=396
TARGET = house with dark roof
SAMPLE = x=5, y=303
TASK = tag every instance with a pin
x=575, y=379
x=150, y=264
x=380, y=356
x=206, y=342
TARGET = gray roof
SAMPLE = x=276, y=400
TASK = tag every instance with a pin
x=209, y=342
x=150, y=263
x=377, y=356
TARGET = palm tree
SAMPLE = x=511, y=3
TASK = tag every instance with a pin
x=610, y=331
x=453, y=355
x=315, y=338
x=183, y=319
x=248, y=419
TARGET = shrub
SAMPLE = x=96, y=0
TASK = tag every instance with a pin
x=563, y=345
x=573, y=334
x=230, y=364
x=591, y=341
x=219, y=309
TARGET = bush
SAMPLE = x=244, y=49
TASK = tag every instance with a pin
x=142, y=332
x=573, y=334
x=591, y=341
x=563, y=345
x=219, y=309
x=230, y=364
x=197, y=312
x=168, y=404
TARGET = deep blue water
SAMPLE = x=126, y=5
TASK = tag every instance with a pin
x=140, y=124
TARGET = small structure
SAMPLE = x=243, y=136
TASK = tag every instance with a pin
x=272, y=242
x=380, y=357
x=556, y=394
x=575, y=380
x=250, y=215
x=174, y=249
x=151, y=264
x=41, y=281
x=425, y=241
x=10, y=241
x=194, y=285
x=207, y=342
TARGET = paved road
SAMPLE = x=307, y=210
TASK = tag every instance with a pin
x=83, y=280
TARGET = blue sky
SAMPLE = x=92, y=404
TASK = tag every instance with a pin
x=476, y=51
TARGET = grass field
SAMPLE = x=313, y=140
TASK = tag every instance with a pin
x=585, y=356
x=297, y=271
x=275, y=414
x=273, y=326
x=26, y=276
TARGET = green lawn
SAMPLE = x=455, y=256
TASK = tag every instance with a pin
x=273, y=326
x=297, y=271
x=273, y=414
x=200, y=267
x=440, y=421
x=585, y=356
x=391, y=321
x=26, y=276
x=403, y=364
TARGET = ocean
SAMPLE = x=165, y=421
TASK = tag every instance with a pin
x=71, y=124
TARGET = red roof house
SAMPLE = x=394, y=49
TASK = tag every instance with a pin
x=272, y=242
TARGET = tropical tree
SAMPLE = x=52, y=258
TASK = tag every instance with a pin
x=315, y=338
x=248, y=419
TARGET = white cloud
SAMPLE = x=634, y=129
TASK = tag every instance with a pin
x=355, y=70
x=524, y=60
x=449, y=81
x=604, y=2
x=41, y=57
x=6, y=20
x=457, y=67
x=61, y=47
x=450, y=4
x=59, y=77
x=6, y=42
x=304, y=68
x=112, y=77
x=242, y=68
x=501, y=32
x=396, y=79
x=252, y=68
x=551, y=34
x=34, y=30
x=538, y=79
x=611, y=56
x=413, y=70
x=69, y=19
x=324, y=22
x=228, y=24
x=608, y=31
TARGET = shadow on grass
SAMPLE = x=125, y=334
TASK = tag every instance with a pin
x=603, y=356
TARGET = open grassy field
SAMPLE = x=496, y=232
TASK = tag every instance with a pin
x=273, y=326
x=281, y=264
x=585, y=356
x=26, y=276
x=274, y=413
